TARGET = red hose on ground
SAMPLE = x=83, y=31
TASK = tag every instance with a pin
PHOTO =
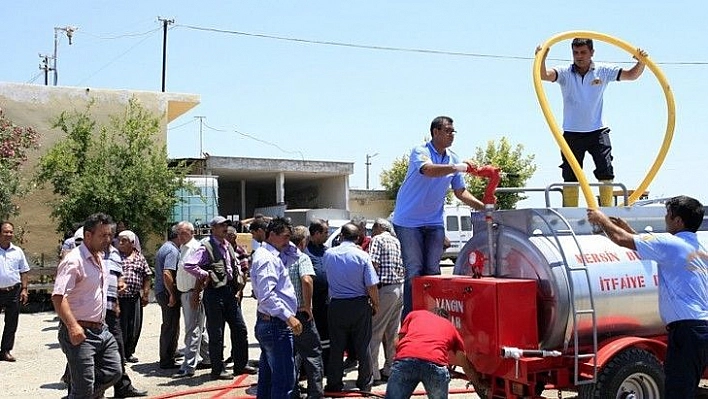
x=223, y=390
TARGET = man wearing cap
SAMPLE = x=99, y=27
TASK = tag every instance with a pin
x=213, y=265
x=13, y=287
x=72, y=242
x=80, y=300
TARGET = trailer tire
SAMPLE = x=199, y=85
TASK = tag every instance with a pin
x=632, y=374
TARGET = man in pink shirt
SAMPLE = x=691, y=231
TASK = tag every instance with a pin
x=80, y=300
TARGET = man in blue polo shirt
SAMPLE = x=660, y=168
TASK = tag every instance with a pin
x=418, y=215
x=582, y=84
x=682, y=264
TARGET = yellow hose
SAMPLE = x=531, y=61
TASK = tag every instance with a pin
x=558, y=133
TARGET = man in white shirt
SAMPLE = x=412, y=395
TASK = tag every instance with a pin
x=13, y=287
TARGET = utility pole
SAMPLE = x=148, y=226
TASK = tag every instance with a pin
x=165, y=22
x=201, y=135
x=44, y=66
x=69, y=31
x=368, y=163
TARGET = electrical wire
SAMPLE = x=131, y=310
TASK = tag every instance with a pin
x=121, y=36
x=109, y=63
x=401, y=49
x=35, y=77
x=302, y=156
x=179, y=126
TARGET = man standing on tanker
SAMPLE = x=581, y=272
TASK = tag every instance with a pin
x=682, y=263
x=418, y=215
x=582, y=85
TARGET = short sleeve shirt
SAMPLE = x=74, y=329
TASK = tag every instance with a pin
x=683, y=274
x=420, y=199
x=582, y=95
x=349, y=271
x=83, y=280
x=12, y=263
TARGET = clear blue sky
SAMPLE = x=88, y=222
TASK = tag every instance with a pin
x=326, y=102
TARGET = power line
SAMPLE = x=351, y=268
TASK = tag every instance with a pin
x=302, y=156
x=179, y=126
x=121, y=36
x=119, y=56
x=403, y=49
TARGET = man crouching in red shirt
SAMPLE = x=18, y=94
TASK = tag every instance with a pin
x=424, y=341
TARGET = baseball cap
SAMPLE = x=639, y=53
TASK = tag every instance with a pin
x=218, y=220
x=79, y=234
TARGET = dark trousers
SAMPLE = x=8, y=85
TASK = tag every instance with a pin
x=10, y=302
x=349, y=319
x=113, y=323
x=319, y=313
x=596, y=143
x=169, y=329
x=221, y=307
x=308, y=353
x=686, y=358
x=131, y=322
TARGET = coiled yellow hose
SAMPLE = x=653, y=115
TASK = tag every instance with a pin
x=558, y=133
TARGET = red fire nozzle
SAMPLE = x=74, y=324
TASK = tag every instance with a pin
x=489, y=172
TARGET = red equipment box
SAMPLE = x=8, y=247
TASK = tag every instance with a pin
x=490, y=313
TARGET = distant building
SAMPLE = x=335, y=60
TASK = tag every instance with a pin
x=38, y=106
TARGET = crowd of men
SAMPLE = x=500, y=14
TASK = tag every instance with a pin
x=315, y=304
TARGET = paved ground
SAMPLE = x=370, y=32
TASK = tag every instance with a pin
x=40, y=364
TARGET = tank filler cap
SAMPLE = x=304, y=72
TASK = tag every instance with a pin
x=475, y=260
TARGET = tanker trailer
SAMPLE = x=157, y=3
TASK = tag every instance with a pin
x=558, y=305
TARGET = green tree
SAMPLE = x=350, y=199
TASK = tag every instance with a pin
x=517, y=168
x=119, y=168
x=392, y=179
x=15, y=142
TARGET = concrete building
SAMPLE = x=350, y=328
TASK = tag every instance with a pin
x=39, y=106
x=260, y=185
x=246, y=185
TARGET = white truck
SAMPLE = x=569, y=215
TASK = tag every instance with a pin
x=458, y=229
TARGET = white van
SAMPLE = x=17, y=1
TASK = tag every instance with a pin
x=458, y=228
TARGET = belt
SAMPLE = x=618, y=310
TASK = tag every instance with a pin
x=90, y=324
x=356, y=298
x=380, y=285
x=263, y=316
x=10, y=288
x=686, y=323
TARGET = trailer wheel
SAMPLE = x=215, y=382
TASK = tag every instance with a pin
x=632, y=374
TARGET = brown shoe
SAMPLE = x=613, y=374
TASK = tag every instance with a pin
x=7, y=357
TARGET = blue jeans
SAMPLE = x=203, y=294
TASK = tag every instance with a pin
x=407, y=373
x=421, y=249
x=94, y=364
x=276, y=369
